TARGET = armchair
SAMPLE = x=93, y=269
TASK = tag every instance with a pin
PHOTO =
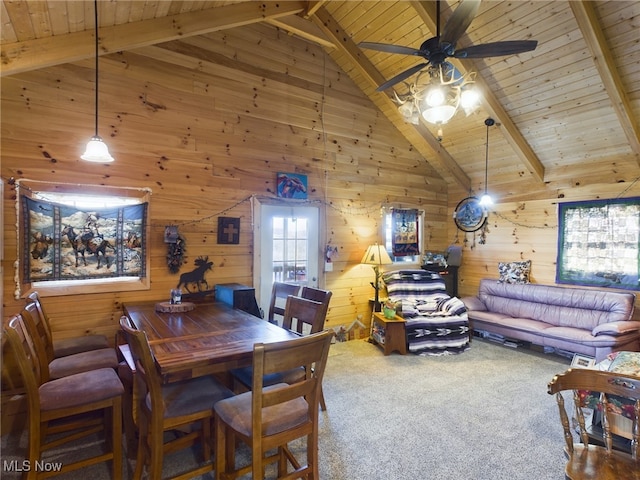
x=436, y=324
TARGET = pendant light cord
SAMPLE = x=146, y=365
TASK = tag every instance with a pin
x=488, y=122
x=95, y=13
x=486, y=161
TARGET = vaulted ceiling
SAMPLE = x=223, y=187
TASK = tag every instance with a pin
x=566, y=113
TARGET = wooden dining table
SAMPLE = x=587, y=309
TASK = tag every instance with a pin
x=212, y=338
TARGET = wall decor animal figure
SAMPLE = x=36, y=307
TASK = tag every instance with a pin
x=41, y=245
x=196, y=276
x=88, y=243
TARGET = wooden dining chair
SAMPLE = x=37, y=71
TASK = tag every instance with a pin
x=63, y=400
x=267, y=418
x=185, y=405
x=318, y=295
x=301, y=316
x=65, y=346
x=53, y=368
x=588, y=459
x=324, y=297
x=279, y=294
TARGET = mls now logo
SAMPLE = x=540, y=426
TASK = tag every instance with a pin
x=26, y=466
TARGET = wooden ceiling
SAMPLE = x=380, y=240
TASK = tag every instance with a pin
x=567, y=113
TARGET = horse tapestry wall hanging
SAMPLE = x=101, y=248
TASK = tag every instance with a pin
x=62, y=242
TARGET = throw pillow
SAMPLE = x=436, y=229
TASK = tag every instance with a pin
x=514, y=272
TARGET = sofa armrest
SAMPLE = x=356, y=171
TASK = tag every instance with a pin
x=474, y=303
x=616, y=328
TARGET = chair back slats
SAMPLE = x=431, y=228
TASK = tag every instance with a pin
x=600, y=387
x=303, y=316
x=34, y=298
x=37, y=330
x=26, y=357
x=147, y=377
x=310, y=352
x=317, y=294
x=279, y=294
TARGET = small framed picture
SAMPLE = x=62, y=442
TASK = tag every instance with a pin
x=291, y=185
x=582, y=361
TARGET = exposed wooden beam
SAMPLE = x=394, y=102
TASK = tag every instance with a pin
x=419, y=136
x=312, y=7
x=427, y=12
x=297, y=25
x=44, y=52
x=587, y=18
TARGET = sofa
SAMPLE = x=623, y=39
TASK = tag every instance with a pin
x=435, y=323
x=589, y=322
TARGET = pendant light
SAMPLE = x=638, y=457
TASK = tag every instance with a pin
x=486, y=200
x=97, y=151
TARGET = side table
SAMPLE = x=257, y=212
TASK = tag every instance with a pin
x=389, y=334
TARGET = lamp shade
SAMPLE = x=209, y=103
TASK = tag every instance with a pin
x=376, y=255
x=97, y=151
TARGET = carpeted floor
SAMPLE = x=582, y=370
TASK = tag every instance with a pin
x=481, y=415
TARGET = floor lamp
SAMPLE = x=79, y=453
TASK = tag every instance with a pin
x=376, y=255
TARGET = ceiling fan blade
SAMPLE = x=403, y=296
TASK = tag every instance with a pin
x=459, y=21
x=496, y=49
x=385, y=47
x=401, y=76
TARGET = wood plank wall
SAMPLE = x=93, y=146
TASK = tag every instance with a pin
x=206, y=123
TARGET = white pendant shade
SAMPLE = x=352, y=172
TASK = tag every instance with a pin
x=97, y=151
x=486, y=200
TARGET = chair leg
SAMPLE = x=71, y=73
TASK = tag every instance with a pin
x=220, y=448
x=323, y=405
x=142, y=447
x=116, y=417
x=312, y=454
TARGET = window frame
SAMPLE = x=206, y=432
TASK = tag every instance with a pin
x=586, y=236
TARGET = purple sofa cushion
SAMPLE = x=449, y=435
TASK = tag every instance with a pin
x=556, y=306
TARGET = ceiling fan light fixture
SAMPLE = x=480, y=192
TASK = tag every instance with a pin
x=469, y=100
x=435, y=96
x=439, y=115
x=97, y=151
x=406, y=110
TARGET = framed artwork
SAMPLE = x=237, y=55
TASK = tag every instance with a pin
x=291, y=185
x=469, y=215
x=228, y=231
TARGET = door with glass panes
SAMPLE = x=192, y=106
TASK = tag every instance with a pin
x=286, y=250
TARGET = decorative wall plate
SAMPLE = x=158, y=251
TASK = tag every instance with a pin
x=469, y=215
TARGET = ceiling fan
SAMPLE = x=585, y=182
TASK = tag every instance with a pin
x=436, y=50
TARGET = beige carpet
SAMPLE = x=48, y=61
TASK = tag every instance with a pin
x=481, y=415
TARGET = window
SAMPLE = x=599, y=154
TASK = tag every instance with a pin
x=290, y=249
x=599, y=243
x=402, y=237
x=74, y=239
